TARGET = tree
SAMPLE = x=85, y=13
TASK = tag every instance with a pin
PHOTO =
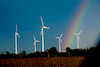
x=52, y=51
x=23, y=52
x=68, y=51
x=7, y=52
x=2, y=52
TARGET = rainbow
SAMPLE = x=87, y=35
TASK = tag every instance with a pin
x=76, y=24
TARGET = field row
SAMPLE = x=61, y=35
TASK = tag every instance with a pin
x=74, y=61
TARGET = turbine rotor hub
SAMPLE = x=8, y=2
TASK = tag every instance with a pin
x=42, y=26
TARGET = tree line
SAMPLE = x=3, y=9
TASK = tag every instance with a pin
x=52, y=52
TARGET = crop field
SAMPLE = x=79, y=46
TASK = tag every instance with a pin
x=74, y=61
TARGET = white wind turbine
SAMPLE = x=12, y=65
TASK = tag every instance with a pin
x=42, y=27
x=34, y=44
x=60, y=41
x=78, y=38
x=16, y=34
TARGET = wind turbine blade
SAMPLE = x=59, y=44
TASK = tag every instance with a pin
x=41, y=31
x=37, y=41
x=61, y=41
x=61, y=35
x=75, y=34
x=16, y=27
x=42, y=21
x=80, y=32
x=46, y=27
x=57, y=37
x=34, y=43
x=79, y=39
x=18, y=36
x=34, y=37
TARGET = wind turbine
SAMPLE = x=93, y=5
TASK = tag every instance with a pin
x=42, y=27
x=16, y=34
x=34, y=44
x=78, y=38
x=60, y=41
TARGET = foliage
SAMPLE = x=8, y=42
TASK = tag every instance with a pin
x=23, y=52
x=7, y=52
x=52, y=51
x=67, y=49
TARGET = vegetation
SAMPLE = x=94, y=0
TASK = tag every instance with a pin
x=74, y=61
x=52, y=52
x=52, y=58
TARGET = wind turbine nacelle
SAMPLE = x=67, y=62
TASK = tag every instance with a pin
x=42, y=26
x=16, y=33
x=45, y=27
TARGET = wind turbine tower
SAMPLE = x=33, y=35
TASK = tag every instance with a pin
x=78, y=38
x=16, y=34
x=42, y=27
x=34, y=44
x=60, y=41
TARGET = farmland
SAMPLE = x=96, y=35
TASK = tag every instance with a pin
x=73, y=61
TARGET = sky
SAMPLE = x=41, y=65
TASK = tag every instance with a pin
x=56, y=14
